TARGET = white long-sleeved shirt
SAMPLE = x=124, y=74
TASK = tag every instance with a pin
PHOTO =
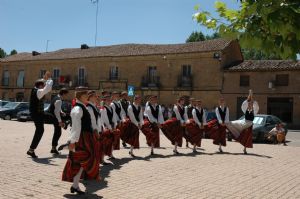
x=57, y=109
x=219, y=116
x=96, y=124
x=76, y=115
x=43, y=91
x=177, y=113
x=194, y=113
x=151, y=118
x=105, y=120
x=255, y=107
x=113, y=106
x=132, y=116
x=146, y=105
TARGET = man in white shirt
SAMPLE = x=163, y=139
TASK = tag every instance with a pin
x=55, y=116
x=36, y=108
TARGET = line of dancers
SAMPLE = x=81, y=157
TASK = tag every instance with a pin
x=100, y=123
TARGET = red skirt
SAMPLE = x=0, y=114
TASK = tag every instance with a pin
x=151, y=131
x=130, y=134
x=85, y=156
x=116, y=142
x=107, y=138
x=245, y=138
x=173, y=131
x=193, y=133
x=218, y=135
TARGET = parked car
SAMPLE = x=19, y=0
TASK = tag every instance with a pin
x=262, y=125
x=10, y=110
x=24, y=116
x=2, y=103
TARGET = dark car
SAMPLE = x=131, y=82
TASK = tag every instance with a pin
x=24, y=116
x=2, y=103
x=10, y=110
x=263, y=124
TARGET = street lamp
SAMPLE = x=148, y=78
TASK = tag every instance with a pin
x=96, y=31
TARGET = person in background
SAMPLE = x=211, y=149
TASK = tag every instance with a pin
x=277, y=135
x=36, y=109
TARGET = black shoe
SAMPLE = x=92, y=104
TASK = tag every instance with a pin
x=111, y=158
x=194, y=151
x=78, y=191
x=66, y=125
x=220, y=149
x=245, y=151
x=175, y=152
x=105, y=163
x=54, y=151
x=152, y=153
x=131, y=154
x=124, y=144
x=61, y=147
x=32, y=154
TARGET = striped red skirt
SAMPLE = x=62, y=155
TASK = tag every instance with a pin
x=151, y=131
x=107, y=138
x=130, y=134
x=217, y=133
x=116, y=141
x=173, y=130
x=85, y=156
x=245, y=138
x=193, y=133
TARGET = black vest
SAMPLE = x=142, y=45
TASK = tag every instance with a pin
x=136, y=112
x=36, y=105
x=189, y=111
x=118, y=110
x=249, y=115
x=110, y=115
x=154, y=111
x=124, y=104
x=86, y=124
x=96, y=112
x=52, y=104
x=222, y=114
x=199, y=114
x=181, y=112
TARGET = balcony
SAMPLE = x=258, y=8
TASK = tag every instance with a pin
x=185, y=81
x=151, y=81
x=5, y=81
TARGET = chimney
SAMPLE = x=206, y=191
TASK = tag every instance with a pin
x=84, y=46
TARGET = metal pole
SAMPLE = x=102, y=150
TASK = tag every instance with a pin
x=47, y=45
x=96, y=31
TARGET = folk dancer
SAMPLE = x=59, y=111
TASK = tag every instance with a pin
x=222, y=113
x=173, y=128
x=82, y=148
x=36, y=109
x=152, y=123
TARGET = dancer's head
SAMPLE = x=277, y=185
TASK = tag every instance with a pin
x=180, y=101
x=115, y=95
x=63, y=92
x=81, y=94
x=92, y=97
x=222, y=101
x=137, y=99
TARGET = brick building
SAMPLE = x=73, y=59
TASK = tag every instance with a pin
x=201, y=69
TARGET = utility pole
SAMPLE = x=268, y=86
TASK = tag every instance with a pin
x=47, y=45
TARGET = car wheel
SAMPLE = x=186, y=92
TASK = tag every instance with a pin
x=7, y=117
x=260, y=137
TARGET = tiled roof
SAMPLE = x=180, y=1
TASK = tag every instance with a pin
x=266, y=65
x=124, y=50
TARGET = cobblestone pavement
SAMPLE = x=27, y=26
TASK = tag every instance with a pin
x=268, y=171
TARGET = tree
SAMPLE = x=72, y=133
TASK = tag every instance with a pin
x=13, y=52
x=2, y=53
x=270, y=26
x=196, y=36
x=257, y=55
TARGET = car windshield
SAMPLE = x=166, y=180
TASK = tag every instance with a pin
x=11, y=105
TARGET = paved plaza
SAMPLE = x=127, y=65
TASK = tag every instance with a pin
x=268, y=171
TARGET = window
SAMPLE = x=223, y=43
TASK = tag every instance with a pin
x=5, y=78
x=20, y=80
x=152, y=74
x=55, y=76
x=244, y=80
x=42, y=73
x=81, y=77
x=282, y=80
x=114, y=73
x=186, y=70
